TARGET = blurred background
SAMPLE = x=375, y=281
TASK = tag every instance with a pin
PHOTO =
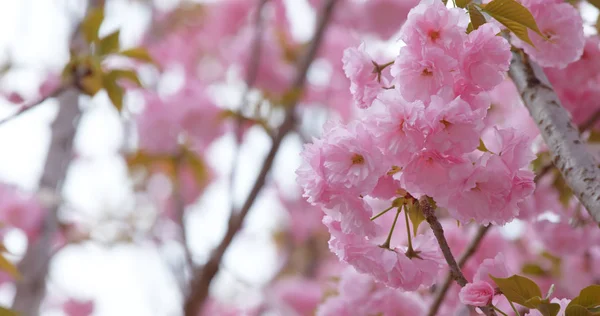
x=147, y=190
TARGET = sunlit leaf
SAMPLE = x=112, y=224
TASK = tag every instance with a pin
x=477, y=18
x=91, y=24
x=462, y=3
x=114, y=91
x=533, y=269
x=578, y=310
x=127, y=74
x=137, y=53
x=109, y=44
x=514, y=16
x=518, y=289
x=7, y=312
x=594, y=136
x=9, y=267
x=589, y=297
x=548, y=309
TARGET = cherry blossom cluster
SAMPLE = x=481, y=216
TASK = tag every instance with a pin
x=419, y=136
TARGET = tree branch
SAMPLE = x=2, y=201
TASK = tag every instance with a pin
x=251, y=76
x=469, y=251
x=569, y=154
x=202, y=279
x=31, y=289
x=438, y=231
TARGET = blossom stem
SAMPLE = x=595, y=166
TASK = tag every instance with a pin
x=514, y=308
x=410, y=248
x=381, y=213
x=382, y=67
x=387, y=242
x=499, y=311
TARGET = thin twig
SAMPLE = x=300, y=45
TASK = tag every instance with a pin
x=251, y=76
x=26, y=108
x=469, y=251
x=438, y=231
x=202, y=280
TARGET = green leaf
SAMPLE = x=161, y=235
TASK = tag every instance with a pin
x=109, y=44
x=7, y=312
x=594, y=136
x=415, y=215
x=534, y=302
x=470, y=28
x=128, y=74
x=91, y=24
x=138, y=53
x=578, y=310
x=462, y=3
x=595, y=3
x=9, y=267
x=114, y=91
x=589, y=297
x=519, y=289
x=514, y=16
x=477, y=18
x=533, y=269
x=549, y=309
x=564, y=191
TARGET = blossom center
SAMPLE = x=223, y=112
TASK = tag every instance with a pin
x=426, y=72
x=358, y=159
x=446, y=123
x=434, y=35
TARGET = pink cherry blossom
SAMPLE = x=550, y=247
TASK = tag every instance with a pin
x=455, y=128
x=365, y=82
x=345, y=161
x=562, y=24
x=486, y=57
x=74, y=307
x=354, y=215
x=295, y=295
x=495, y=267
x=477, y=294
x=421, y=72
x=399, y=130
x=487, y=191
x=432, y=24
x=513, y=148
x=13, y=204
x=429, y=173
x=358, y=294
